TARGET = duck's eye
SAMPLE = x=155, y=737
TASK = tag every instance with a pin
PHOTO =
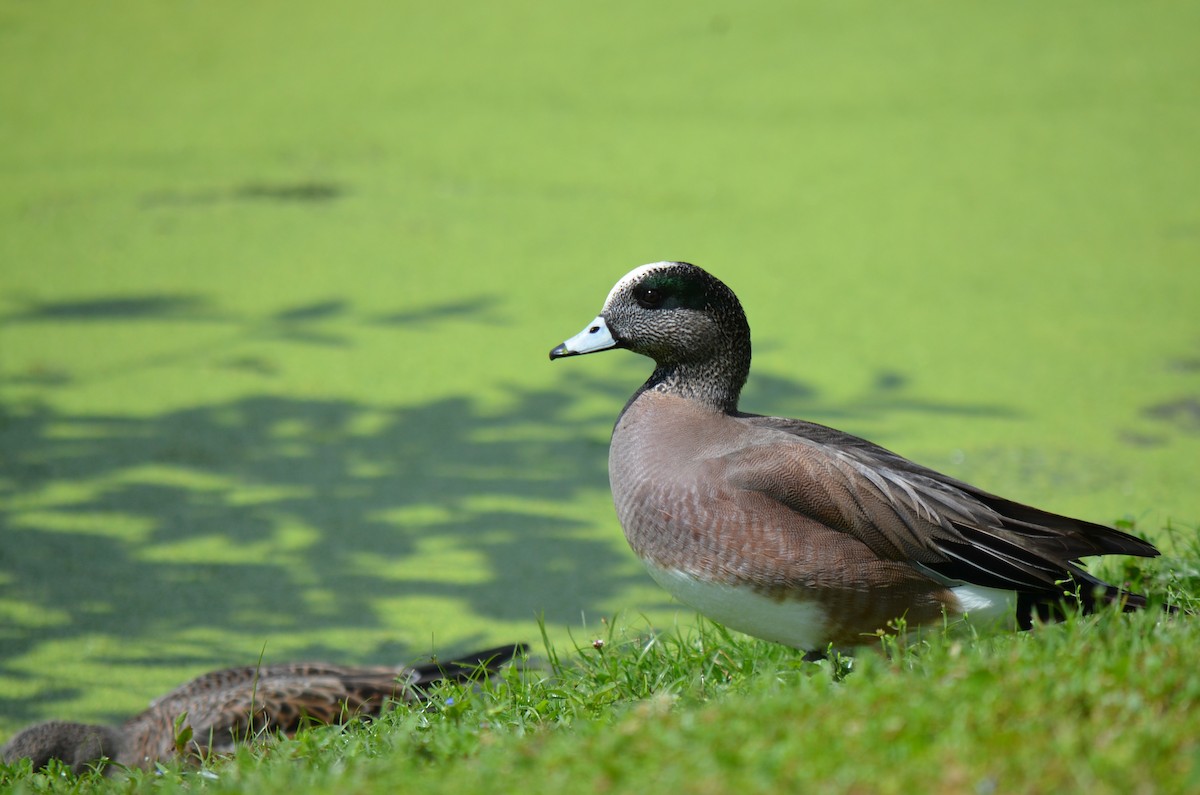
x=648, y=297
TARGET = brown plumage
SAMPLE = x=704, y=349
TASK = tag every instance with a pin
x=794, y=531
x=234, y=705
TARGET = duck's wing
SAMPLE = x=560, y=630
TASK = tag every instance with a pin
x=905, y=512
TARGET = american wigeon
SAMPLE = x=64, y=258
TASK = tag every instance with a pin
x=796, y=532
x=218, y=708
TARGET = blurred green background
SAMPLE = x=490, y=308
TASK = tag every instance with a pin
x=279, y=280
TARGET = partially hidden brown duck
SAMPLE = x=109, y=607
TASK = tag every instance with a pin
x=795, y=532
x=222, y=708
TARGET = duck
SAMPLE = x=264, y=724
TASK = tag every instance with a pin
x=799, y=533
x=215, y=712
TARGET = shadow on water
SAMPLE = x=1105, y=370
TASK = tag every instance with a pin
x=320, y=323
x=191, y=308
x=1169, y=418
x=272, y=514
x=265, y=463
x=887, y=394
x=269, y=515
x=289, y=192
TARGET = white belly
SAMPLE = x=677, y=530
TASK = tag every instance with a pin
x=801, y=624
x=792, y=622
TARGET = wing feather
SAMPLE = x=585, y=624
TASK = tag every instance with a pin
x=906, y=512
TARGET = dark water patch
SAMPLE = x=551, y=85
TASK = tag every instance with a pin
x=1138, y=439
x=889, y=381
x=118, y=307
x=289, y=192
x=301, y=192
x=775, y=395
x=479, y=307
x=328, y=323
x=319, y=310
x=1182, y=414
x=40, y=375
x=1185, y=364
x=257, y=365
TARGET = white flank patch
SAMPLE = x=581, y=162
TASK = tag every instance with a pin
x=982, y=607
x=792, y=622
x=800, y=624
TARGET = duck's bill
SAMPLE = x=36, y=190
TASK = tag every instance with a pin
x=596, y=337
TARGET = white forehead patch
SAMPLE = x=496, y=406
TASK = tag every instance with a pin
x=633, y=276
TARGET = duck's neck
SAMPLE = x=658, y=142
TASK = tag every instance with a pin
x=716, y=381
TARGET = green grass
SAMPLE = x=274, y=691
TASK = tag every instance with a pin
x=1103, y=704
x=277, y=287
x=1100, y=704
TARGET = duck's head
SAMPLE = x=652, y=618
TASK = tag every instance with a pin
x=78, y=745
x=673, y=312
x=683, y=318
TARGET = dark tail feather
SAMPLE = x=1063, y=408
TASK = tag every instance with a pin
x=1085, y=598
x=1129, y=602
x=470, y=666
